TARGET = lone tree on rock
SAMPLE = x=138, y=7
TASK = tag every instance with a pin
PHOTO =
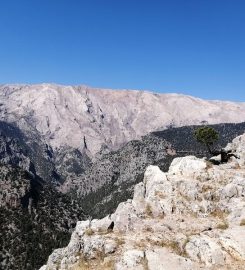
x=207, y=136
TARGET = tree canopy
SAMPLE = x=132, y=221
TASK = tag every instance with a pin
x=207, y=136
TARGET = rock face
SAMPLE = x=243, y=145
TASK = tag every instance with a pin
x=111, y=178
x=27, y=152
x=32, y=212
x=191, y=217
x=82, y=117
x=35, y=218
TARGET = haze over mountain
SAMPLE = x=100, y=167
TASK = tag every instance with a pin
x=86, y=118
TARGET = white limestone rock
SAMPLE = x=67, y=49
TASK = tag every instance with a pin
x=131, y=259
x=158, y=191
x=82, y=226
x=191, y=210
x=202, y=248
x=110, y=246
x=232, y=248
x=188, y=188
x=55, y=259
x=232, y=240
x=100, y=225
x=162, y=259
x=139, y=198
x=92, y=245
x=125, y=216
x=237, y=146
x=229, y=191
x=189, y=166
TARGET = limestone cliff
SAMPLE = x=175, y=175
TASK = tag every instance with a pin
x=192, y=217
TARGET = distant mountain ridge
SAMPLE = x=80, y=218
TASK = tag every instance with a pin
x=83, y=117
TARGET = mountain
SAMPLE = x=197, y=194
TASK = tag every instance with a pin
x=42, y=218
x=35, y=218
x=111, y=178
x=68, y=153
x=191, y=217
x=67, y=128
x=27, y=151
x=84, y=118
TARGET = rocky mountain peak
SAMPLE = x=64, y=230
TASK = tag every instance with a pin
x=191, y=217
x=65, y=115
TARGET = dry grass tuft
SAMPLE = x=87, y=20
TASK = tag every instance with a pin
x=89, y=232
x=209, y=164
x=119, y=241
x=141, y=244
x=149, y=229
x=223, y=226
x=101, y=262
x=148, y=210
x=218, y=213
x=206, y=188
x=109, y=264
x=242, y=223
x=160, y=194
x=83, y=264
x=176, y=247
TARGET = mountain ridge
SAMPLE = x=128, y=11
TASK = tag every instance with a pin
x=60, y=85
x=80, y=115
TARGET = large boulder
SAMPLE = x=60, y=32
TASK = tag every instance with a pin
x=189, y=166
x=162, y=259
x=204, y=249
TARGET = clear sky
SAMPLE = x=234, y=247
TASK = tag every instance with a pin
x=194, y=47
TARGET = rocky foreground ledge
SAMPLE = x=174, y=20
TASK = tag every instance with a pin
x=192, y=217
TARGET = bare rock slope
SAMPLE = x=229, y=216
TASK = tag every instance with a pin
x=82, y=117
x=192, y=217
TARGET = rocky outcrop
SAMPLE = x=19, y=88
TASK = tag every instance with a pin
x=12, y=190
x=28, y=152
x=35, y=218
x=191, y=217
x=111, y=177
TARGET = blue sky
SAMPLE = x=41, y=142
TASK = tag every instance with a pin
x=194, y=47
